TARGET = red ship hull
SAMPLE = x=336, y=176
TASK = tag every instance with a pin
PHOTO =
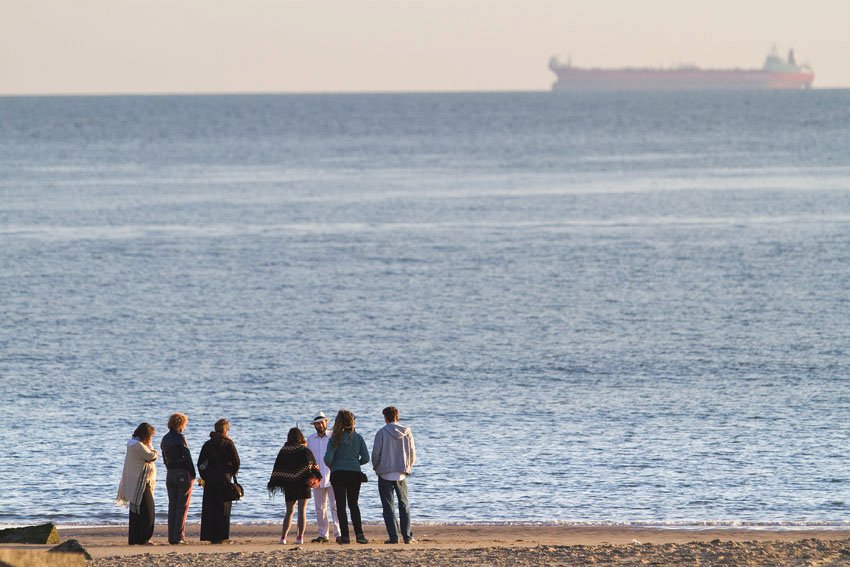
x=577, y=79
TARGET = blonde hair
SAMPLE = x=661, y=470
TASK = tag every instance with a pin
x=177, y=421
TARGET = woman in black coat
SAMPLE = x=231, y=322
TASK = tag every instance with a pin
x=217, y=464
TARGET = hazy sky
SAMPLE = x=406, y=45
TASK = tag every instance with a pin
x=167, y=46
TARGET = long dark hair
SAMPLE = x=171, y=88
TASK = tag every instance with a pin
x=344, y=422
x=295, y=437
x=144, y=432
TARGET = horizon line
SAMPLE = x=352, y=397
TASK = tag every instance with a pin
x=93, y=94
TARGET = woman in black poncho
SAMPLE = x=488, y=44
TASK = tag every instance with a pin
x=217, y=463
x=293, y=467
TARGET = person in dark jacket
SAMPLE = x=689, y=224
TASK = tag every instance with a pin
x=179, y=478
x=294, y=465
x=345, y=453
x=217, y=464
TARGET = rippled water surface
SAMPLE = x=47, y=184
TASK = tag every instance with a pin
x=589, y=308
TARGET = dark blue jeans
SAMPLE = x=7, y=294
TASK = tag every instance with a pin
x=388, y=489
x=179, y=485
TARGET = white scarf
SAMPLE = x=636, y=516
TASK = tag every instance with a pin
x=139, y=473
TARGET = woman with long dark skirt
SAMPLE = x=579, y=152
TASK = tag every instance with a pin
x=138, y=480
x=217, y=463
x=346, y=452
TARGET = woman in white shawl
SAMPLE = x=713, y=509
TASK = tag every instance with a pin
x=137, y=484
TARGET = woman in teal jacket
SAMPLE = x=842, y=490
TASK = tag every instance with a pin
x=346, y=452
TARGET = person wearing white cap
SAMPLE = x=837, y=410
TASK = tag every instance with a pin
x=323, y=495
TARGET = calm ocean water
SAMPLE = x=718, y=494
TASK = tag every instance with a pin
x=627, y=308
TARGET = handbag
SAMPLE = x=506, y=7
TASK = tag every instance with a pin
x=234, y=491
x=314, y=477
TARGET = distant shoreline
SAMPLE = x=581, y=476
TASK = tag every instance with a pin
x=778, y=527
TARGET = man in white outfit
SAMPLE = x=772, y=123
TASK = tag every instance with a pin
x=323, y=495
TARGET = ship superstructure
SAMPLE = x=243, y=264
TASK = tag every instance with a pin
x=776, y=73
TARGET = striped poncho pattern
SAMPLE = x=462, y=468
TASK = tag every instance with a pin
x=293, y=464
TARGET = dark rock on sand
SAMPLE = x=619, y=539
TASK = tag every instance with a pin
x=42, y=534
x=71, y=546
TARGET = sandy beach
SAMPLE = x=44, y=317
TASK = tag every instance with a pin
x=481, y=545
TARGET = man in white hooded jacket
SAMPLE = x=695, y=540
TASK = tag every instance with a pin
x=393, y=456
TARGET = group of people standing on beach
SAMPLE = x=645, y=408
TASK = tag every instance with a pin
x=334, y=479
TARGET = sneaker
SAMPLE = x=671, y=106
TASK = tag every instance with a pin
x=299, y=540
x=283, y=541
x=320, y=539
x=411, y=540
x=391, y=541
x=343, y=540
x=362, y=539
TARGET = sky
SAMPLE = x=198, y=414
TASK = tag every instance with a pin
x=254, y=46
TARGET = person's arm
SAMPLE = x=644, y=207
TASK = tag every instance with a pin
x=187, y=456
x=364, y=451
x=278, y=465
x=203, y=462
x=163, y=451
x=149, y=454
x=234, y=459
x=329, y=454
x=377, y=447
x=312, y=446
x=311, y=458
x=412, y=451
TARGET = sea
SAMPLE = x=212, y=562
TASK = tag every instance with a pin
x=590, y=308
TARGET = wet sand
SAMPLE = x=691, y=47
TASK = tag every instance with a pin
x=475, y=545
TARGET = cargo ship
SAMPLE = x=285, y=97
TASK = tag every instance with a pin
x=775, y=74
